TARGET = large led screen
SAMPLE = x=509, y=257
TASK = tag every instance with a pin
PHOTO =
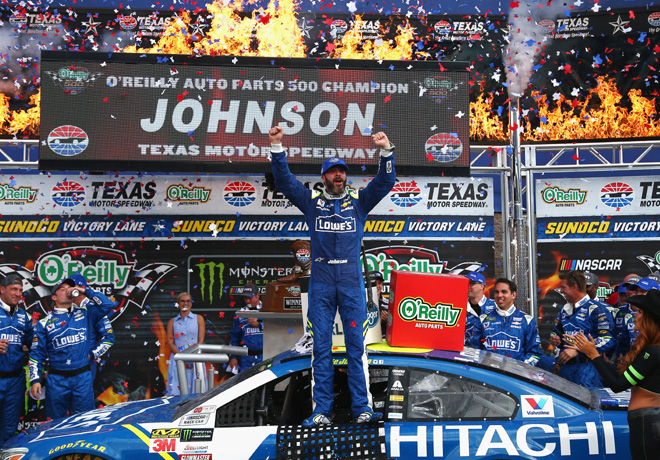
x=138, y=112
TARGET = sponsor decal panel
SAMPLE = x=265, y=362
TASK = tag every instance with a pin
x=165, y=433
x=536, y=406
x=162, y=445
x=196, y=434
x=194, y=419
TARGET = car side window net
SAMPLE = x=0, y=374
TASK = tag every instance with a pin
x=423, y=394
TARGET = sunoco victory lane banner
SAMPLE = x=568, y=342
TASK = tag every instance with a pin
x=598, y=208
x=221, y=206
x=160, y=113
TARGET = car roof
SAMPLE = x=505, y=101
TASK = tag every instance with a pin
x=412, y=356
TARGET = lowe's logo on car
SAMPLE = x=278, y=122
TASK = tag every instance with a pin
x=338, y=225
x=537, y=406
x=415, y=309
x=532, y=440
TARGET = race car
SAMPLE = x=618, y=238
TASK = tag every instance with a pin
x=436, y=404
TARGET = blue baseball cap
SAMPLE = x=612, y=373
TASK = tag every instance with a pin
x=331, y=162
x=476, y=277
x=647, y=284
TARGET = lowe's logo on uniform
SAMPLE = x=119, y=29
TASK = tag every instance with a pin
x=416, y=309
x=65, y=341
x=502, y=341
x=535, y=406
x=13, y=339
x=335, y=224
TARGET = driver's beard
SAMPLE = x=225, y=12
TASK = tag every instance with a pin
x=330, y=186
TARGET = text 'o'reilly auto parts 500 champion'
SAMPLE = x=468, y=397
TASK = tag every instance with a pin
x=437, y=404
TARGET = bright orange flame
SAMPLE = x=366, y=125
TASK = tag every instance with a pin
x=551, y=282
x=25, y=122
x=163, y=350
x=352, y=46
x=109, y=397
x=485, y=125
x=572, y=119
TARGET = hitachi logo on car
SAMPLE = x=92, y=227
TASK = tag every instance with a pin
x=416, y=309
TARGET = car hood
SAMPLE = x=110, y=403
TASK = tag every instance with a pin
x=103, y=420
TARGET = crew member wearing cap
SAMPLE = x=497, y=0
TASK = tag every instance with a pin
x=580, y=314
x=16, y=332
x=247, y=332
x=478, y=304
x=184, y=330
x=639, y=370
x=506, y=330
x=62, y=338
x=624, y=321
x=336, y=218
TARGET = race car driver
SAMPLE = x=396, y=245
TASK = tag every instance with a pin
x=508, y=331
x=16, y=332
x=478, y=304
x=62, y=337
x=336, y=219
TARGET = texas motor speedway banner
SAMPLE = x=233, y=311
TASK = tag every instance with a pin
x=172, y=206
x=608, y=226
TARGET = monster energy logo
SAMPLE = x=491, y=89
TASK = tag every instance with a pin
x=211, y=280
x=415, y=309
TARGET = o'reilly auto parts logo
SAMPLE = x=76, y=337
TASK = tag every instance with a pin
x=443, y=148
x=67, y=140
x=561, y=197
x=74, y=79
x=239, y=193
x=17, y=195
x=416, y=309
x=537, y=406
x=617, y=194
x=406, y=194
x=188, y=195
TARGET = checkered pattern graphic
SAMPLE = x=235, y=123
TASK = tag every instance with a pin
x=356, y=442
x=37, y=297
x=467, y=267
x=650, y=262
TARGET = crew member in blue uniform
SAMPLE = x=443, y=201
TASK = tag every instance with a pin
x=62, y=337
x=248, y=332
x=16, y=332
x=101, y=339
x=478, y=304
x=508, y=331
x=580, y=314
x=336, y=218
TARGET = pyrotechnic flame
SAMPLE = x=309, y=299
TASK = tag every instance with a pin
x=109, y=397
x=352, y=45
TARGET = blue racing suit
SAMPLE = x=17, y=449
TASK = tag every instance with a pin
x=624, y=327
x=511, y=333
x=242, y=334
x=101, y=338
x=486, y=306
x=336, y=225
x=62, y=337
x=18, y=330
x=589, y=317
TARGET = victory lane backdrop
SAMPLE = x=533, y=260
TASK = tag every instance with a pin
x=148, y=275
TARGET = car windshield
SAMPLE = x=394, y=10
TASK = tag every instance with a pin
x=538, y=376
x=202, y=398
